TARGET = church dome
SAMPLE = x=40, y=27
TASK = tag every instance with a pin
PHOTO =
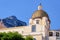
x=39, y=14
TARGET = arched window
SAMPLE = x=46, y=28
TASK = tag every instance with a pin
x=34, y=38
x=37, y=21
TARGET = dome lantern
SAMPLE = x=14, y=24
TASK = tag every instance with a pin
x=40, y=7
x=40, y=13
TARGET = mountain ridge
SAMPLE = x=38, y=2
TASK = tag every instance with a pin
x=12, y=21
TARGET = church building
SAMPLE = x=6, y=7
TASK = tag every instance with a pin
x=39, y=27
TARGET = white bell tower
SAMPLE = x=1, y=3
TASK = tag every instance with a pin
x=41, y=19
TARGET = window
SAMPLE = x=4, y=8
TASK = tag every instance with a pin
x=57, y=34
x=33, y=28
x=34, y=38
x=22, y=31
x=37, y=21
x=50, y=33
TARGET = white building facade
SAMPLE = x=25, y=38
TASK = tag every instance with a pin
x=39, y=27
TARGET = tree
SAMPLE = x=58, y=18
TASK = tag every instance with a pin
x=3, y=36
x=14, y=36
x=29, y=37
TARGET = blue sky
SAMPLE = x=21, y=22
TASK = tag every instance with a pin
x=23, y=10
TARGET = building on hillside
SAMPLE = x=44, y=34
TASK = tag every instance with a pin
x=39, y=27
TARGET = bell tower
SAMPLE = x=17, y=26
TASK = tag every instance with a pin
x=41, y=19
